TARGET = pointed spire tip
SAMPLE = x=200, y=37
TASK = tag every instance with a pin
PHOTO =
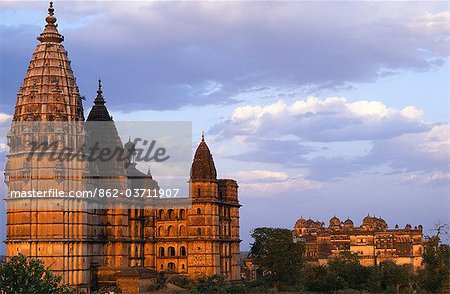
x=51, y=10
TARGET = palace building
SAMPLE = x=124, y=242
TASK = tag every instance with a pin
x=373, y=241
x=88, y=246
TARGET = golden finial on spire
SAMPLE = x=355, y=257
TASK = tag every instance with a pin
x=50, y=33
x=99, y=86
x=203, y=136
x=51, y=10
x=51, y=18
x=99, y=100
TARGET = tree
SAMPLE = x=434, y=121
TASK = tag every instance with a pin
x=342, y=273
x=393, y=276
x=316, y=278
x=346, y=272
x=20, y=274
x=435, y=275
x=279, y=259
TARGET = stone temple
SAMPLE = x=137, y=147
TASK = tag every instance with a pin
x=88, y=246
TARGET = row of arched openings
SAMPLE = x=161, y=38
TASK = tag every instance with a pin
x=171, y=251
x=172, y=214
x=171, y=231
x=171, y=267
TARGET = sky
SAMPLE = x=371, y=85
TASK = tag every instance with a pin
x=315, y=108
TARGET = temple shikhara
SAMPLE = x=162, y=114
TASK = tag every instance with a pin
x=88, y=246
x=373, y=241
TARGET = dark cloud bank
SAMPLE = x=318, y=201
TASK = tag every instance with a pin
x=169, y=55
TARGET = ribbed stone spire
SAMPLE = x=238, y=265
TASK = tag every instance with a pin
x=203, y=168
x=49, y=91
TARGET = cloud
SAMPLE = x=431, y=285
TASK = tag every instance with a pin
x=313, y=132
x=4, y=119
x=3, y=147
x=266, y=183
x=439, y=178
x=322, y=120
x=169, y=55
x=437, y=24
x=3, y=160
x=325, y=168
x=425, y=156
x=261, y=176
x=4, y=127
x=427, y=151
x=432, y=179
x=271, y=151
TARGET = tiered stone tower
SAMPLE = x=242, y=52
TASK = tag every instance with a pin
x=213, y=221
x=61, y=232
x=89, y=244
x=107, y=175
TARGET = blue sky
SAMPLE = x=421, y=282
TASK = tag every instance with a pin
x=316, y=108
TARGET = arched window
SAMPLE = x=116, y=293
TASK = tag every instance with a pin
x=182, y=231
x=198, y=192
x=160, y=214
x=171, y=214
x=199, y=211
x=183, y=251
x=171, y=251
x=161, y=251
x=170, y=231
x=171, y=266
x=182, y=214
x=199, y=231
x=162, y=266
x=160, y=231
x=183, y=266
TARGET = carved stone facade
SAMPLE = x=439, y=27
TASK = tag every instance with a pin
x=82, y=243
x=373, y=241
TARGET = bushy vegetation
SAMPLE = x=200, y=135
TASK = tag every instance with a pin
x=280, y=268
x=435, y=277
x=279, y=259
x=344, y=273
x=20, y=274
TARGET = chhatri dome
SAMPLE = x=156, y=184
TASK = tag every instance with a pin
x=300, y=223
x=348, y=223
x=334, y=221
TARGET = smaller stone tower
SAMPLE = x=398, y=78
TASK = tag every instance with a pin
x=213, y=221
